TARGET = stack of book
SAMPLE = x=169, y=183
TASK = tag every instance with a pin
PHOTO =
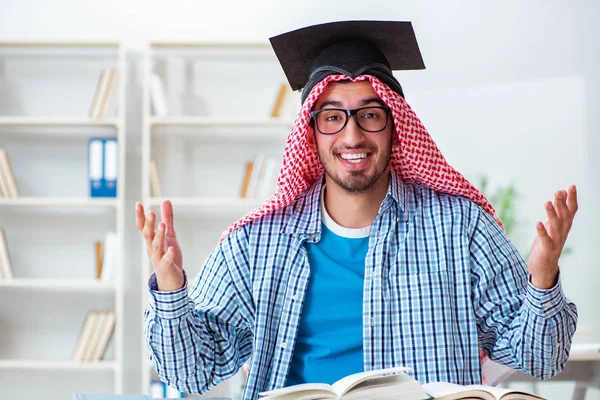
x=95, y=336
x=6, y=271
x=8, y=185
x=107, y=84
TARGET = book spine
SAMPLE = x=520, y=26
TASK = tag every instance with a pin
x=157, y=93
x=111, y=166
x=101, y=88
x=83, y=340
x=99, y=248
x=155, y=187
x=8, y=178
x=109, y=267
x=279, y=101
x=5, y=263
x=113, y=75
x=105, y=334
x=246, y=180
x=95, y=167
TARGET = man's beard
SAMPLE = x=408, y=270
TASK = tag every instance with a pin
x=357, y=181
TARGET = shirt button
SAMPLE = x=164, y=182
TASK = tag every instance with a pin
x=313, y=236
x=284, y=345
x=558, y=345
x=295, y=297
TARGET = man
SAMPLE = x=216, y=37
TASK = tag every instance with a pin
x=372, y=253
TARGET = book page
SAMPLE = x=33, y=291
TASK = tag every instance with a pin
x=304, y=390
x=451, y=391
x=346, y=384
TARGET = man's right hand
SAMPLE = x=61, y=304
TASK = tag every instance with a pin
x=161, y=246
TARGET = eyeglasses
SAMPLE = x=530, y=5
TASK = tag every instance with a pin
x=330, y=121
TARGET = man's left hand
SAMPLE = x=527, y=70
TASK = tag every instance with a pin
x=551, y=238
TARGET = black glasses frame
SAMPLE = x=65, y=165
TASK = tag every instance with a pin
x=350, y=113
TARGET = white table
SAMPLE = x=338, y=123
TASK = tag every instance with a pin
x=582, y=368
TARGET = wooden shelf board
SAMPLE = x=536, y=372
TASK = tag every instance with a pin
x=57, y=121
x=56, y=365
x=70, y=285
x=221, y=121
x=59, y=202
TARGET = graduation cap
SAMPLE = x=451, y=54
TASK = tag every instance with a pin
x=350, y=48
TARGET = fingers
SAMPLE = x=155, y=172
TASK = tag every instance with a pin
x=553, y=220
x=543, y=235
x=167, y=259
x=166, y=213
x=572, y=200
x=148, y=232
x=560, y=204
x=140, y=217
x=158, y=249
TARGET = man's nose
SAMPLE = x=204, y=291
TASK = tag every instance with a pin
x=352, y=133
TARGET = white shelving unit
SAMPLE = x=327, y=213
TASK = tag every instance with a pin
x=219, y=98
x=46, y=89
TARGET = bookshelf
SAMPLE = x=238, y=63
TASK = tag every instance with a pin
x=46, y=93
x=210, y=117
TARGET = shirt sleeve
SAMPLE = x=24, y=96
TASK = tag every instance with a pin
x=199, y=339
x=519, y=325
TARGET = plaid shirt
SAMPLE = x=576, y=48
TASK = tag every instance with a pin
x=441, y=280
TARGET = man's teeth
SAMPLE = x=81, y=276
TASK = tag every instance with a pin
x=354, y=158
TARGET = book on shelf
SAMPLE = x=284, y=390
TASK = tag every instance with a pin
x=111, y=166
x=105, y=89
x=8, y=184
x=99, y=252
x=267, y=178
x=83, y=341
x=394, y=384
x=259, y=177
x=103, y=166
x=6, y=270
x=95, y=335
x=105, y=332
x=157, y=96
x=282, y=95
x=155, y=188
x=246, y=180
x=109, y=257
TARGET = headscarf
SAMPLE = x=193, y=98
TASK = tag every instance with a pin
x=416, y=158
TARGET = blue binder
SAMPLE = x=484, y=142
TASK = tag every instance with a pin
x=103, y=166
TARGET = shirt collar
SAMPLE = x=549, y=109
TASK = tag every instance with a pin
x=305, y=218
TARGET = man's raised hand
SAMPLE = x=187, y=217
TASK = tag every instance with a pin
x=161, y=246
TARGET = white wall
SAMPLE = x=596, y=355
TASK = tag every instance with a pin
x=511, y=90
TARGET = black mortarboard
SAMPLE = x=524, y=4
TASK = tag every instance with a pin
x=351, y=48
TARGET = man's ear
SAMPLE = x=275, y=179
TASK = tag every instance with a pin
x=310, y=134
x=395, y=138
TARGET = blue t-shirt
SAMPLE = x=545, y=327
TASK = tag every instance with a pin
x=329, y=344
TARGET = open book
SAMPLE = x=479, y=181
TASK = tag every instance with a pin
x=391, y=383
x=450, y=391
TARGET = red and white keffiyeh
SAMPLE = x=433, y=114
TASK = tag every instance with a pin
x=416, y=158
